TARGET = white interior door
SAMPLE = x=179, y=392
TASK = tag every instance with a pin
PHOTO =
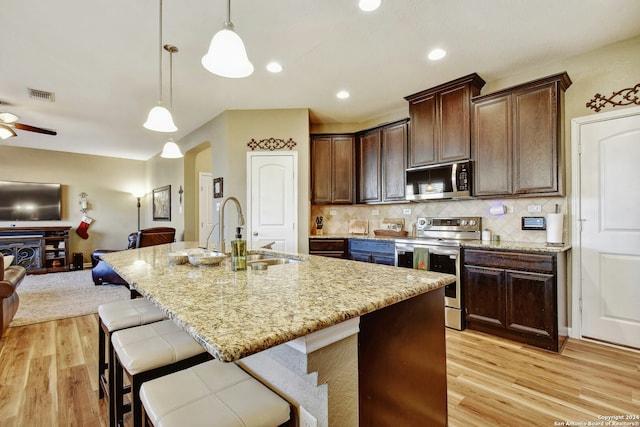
x=609, y=210
x=205, y=211
x=272, y=203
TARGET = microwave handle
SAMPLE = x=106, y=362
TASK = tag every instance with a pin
x=454, y=178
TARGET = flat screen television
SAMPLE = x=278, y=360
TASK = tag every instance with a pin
x=30, y=201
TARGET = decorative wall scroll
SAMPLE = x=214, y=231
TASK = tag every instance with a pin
x=626, y=96
x=271, y=144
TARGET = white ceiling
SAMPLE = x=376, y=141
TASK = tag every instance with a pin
x=100, y=58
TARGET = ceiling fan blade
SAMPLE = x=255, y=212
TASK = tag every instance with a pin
x=30, y=128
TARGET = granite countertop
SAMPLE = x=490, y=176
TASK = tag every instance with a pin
x=503, y=244
x=235, y=314
x=517, y=246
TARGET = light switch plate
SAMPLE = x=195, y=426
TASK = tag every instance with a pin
x=375, y=212
x=406, y=211
x=534, y=208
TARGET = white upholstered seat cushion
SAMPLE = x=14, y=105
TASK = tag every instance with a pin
x=212, y=394
x=154, y=345
x=126, y=314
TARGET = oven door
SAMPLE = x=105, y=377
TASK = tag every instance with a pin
x=442, y=259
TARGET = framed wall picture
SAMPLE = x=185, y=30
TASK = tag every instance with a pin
x=217, y=188
x=162, y=203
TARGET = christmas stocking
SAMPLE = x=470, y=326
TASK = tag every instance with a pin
x=84, y=226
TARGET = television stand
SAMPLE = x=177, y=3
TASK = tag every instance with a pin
x=38, y=249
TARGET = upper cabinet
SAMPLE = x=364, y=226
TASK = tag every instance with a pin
x=332, y=169
x=517, y=139
x=441, y=122
x=381, y=163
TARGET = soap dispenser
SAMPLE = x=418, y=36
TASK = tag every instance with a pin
x=239, y=252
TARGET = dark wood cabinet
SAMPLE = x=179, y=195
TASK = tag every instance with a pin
x=329, y=247
x=517, y=139
x=369, y=179
x=441, y=122
x=381, y=161
x=332, y=169
x=517, y=295
x=38, y=249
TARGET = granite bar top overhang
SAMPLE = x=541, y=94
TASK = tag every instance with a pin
x=235, y=314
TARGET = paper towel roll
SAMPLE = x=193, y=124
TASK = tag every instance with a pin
x=486, y=236
x=554, y=227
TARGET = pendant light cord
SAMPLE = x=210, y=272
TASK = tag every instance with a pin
x=229, y=11
x=160, y=52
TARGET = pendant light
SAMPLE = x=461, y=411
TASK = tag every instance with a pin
x=159, y=118
x=171, y=149
x=227, y=56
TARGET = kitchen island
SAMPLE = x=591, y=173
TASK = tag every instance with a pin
x=386, y=366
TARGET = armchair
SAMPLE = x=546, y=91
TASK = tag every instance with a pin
x=10, y=279
x=103, y=273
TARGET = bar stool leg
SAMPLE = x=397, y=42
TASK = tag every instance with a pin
x=101, y=358
x=117, y=396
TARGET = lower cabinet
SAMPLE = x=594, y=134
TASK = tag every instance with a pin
x=517, y=295
x=378, y=252
x=334, y=248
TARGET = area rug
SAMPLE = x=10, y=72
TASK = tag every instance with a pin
x=56, y=296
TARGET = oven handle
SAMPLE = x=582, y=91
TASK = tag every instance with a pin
x=402, y=248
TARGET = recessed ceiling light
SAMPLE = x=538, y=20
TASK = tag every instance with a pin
x=274, y=67
x=343, y=94
x=437, y=54
x=369, y=5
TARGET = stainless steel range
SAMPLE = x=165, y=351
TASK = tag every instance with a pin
x=438, y=240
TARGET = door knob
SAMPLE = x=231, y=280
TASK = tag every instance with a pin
x=255, y=233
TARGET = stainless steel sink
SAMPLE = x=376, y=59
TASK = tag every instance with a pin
x=268, y=259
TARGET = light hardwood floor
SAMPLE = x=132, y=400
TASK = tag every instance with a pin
x=48, y=377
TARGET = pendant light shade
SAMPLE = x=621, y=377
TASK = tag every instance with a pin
x=171, y=150
x=160, y=120
x=6, y=132
x=227, y=56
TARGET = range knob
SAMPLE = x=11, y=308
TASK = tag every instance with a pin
x=463, y=222
x=472, y=222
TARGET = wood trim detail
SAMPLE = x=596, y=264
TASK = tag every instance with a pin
x=271, y=144
x=628, y=96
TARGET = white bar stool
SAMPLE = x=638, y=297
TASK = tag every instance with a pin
x=212, y=394
x=115, y=316
x=144, y=353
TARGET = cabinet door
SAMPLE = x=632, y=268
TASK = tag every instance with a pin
x=492, y=146
x=424, y=132
x=394, y=162
x=531, y=304
x=455, y=125
x=342, y=171
x=535, y=136
x=369, y=167
x=484, y=292
x=321, y=167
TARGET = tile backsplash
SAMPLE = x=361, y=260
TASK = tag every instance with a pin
x=507, y=226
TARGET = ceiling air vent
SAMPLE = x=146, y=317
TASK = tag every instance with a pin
x=42, y=95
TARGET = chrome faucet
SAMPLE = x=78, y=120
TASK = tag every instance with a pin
x=268, y=245
x=221, y=247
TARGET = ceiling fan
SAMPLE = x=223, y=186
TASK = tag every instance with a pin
x=9, y=121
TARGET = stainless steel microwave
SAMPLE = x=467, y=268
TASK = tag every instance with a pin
x=452, y=181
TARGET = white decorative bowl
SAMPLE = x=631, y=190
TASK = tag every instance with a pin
x=206, y=258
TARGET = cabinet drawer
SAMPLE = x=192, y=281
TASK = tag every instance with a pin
x=327, y=245
x=510, y=260
x=361, y=245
